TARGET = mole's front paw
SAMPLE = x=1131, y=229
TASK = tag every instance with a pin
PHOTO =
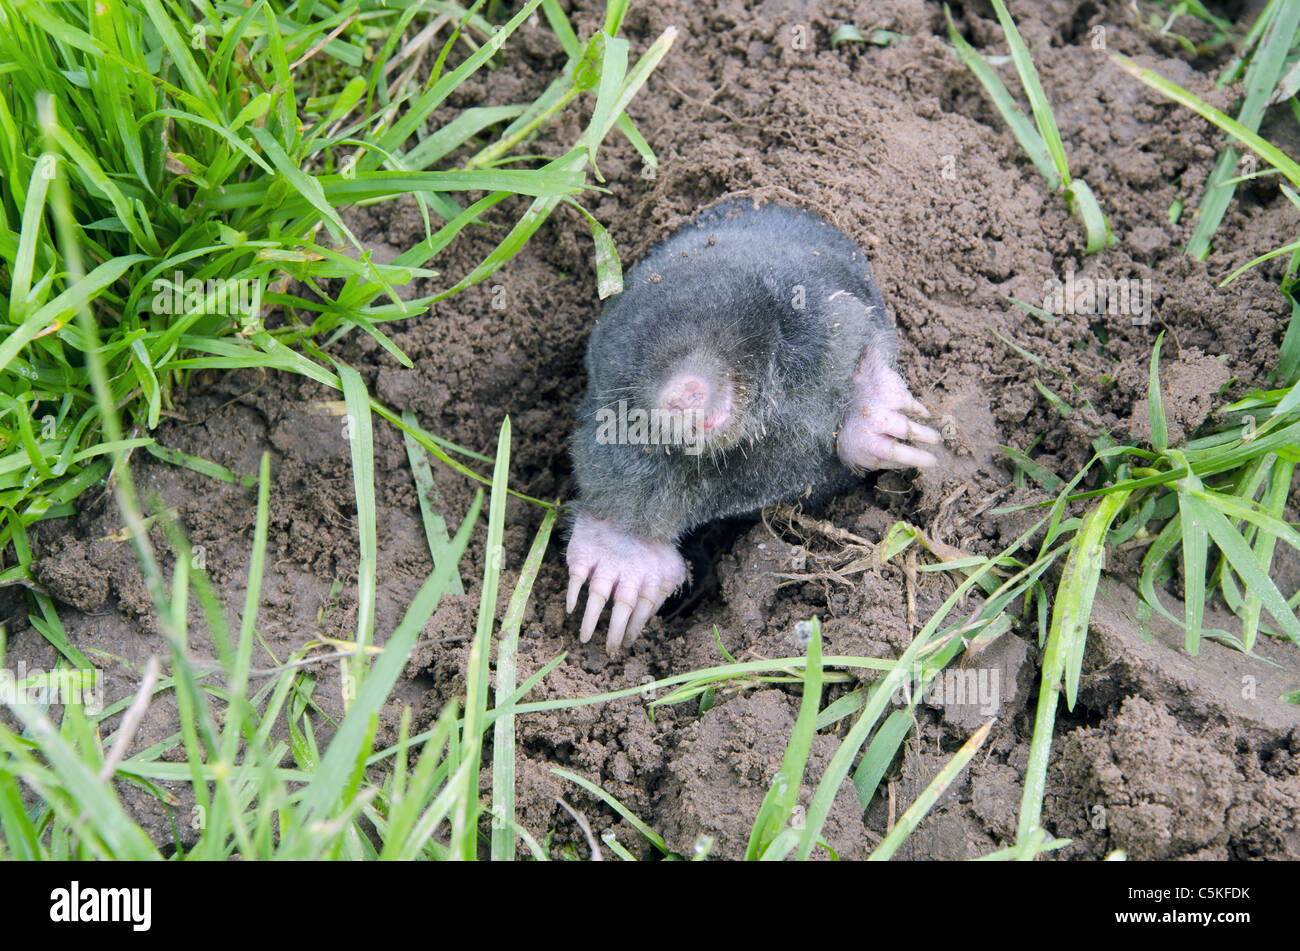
x=640, y=573
x=874, y=426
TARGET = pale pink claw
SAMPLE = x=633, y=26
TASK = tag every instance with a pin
x=874, y=425
x=639, y=573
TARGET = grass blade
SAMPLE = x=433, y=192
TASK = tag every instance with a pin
x=1026, y=134
x=503, y=728
x=880, y=753
x=1041, y=108
x=1083, y=202
x=361, y=444
x=1159, y=426
x=1065, y=643
x=435, y=526
x=651, y=836
x=908, y=822
x=778, y=804
x=464, y=825
x=1266, y=150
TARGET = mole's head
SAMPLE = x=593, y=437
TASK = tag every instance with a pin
x=694, y=358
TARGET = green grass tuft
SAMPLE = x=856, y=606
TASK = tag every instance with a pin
x=1041, y=140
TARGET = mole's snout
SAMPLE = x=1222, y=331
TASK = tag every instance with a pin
x=703, y=395
x=688, y=391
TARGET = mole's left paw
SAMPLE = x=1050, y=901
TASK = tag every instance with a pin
x=640, y=574
x=875, y=425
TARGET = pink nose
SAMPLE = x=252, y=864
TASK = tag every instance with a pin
x=685, y=392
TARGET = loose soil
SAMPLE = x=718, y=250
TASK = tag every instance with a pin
x=1165, y=755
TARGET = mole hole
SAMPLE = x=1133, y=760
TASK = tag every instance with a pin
x=702, y=548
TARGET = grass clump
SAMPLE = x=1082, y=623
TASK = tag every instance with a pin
x=139, y=139
x=1267, y=66
x=1041, y=140
x=206, y=152
x=1211, y=509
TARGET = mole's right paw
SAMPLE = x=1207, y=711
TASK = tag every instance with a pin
x=640, y=573
x=875, y=431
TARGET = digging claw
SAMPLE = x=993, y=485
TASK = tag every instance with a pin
x=640, y=575
x=876, y=429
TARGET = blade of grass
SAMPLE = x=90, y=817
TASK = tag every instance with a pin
x=1159, y=426
x=778, y=804
x=362, y=448
x=880, y=753
x=464, y=826
x=1244, y=563
x=1194, y=560
x=1096, y=228
x=1038, y=104
x=1274, y=501
x=1026, y=134
x=503, y=728
x=650, y=835
x=1065, y=643
x=908, y=822
x=1266, y=150
x=435, y=526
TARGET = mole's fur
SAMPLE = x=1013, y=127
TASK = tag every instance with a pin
x=767, y=321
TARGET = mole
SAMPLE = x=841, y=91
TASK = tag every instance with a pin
x=750, y=360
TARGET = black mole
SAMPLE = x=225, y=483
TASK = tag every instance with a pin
x=750, y=360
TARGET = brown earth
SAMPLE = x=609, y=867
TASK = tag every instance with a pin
x=1164, y=756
